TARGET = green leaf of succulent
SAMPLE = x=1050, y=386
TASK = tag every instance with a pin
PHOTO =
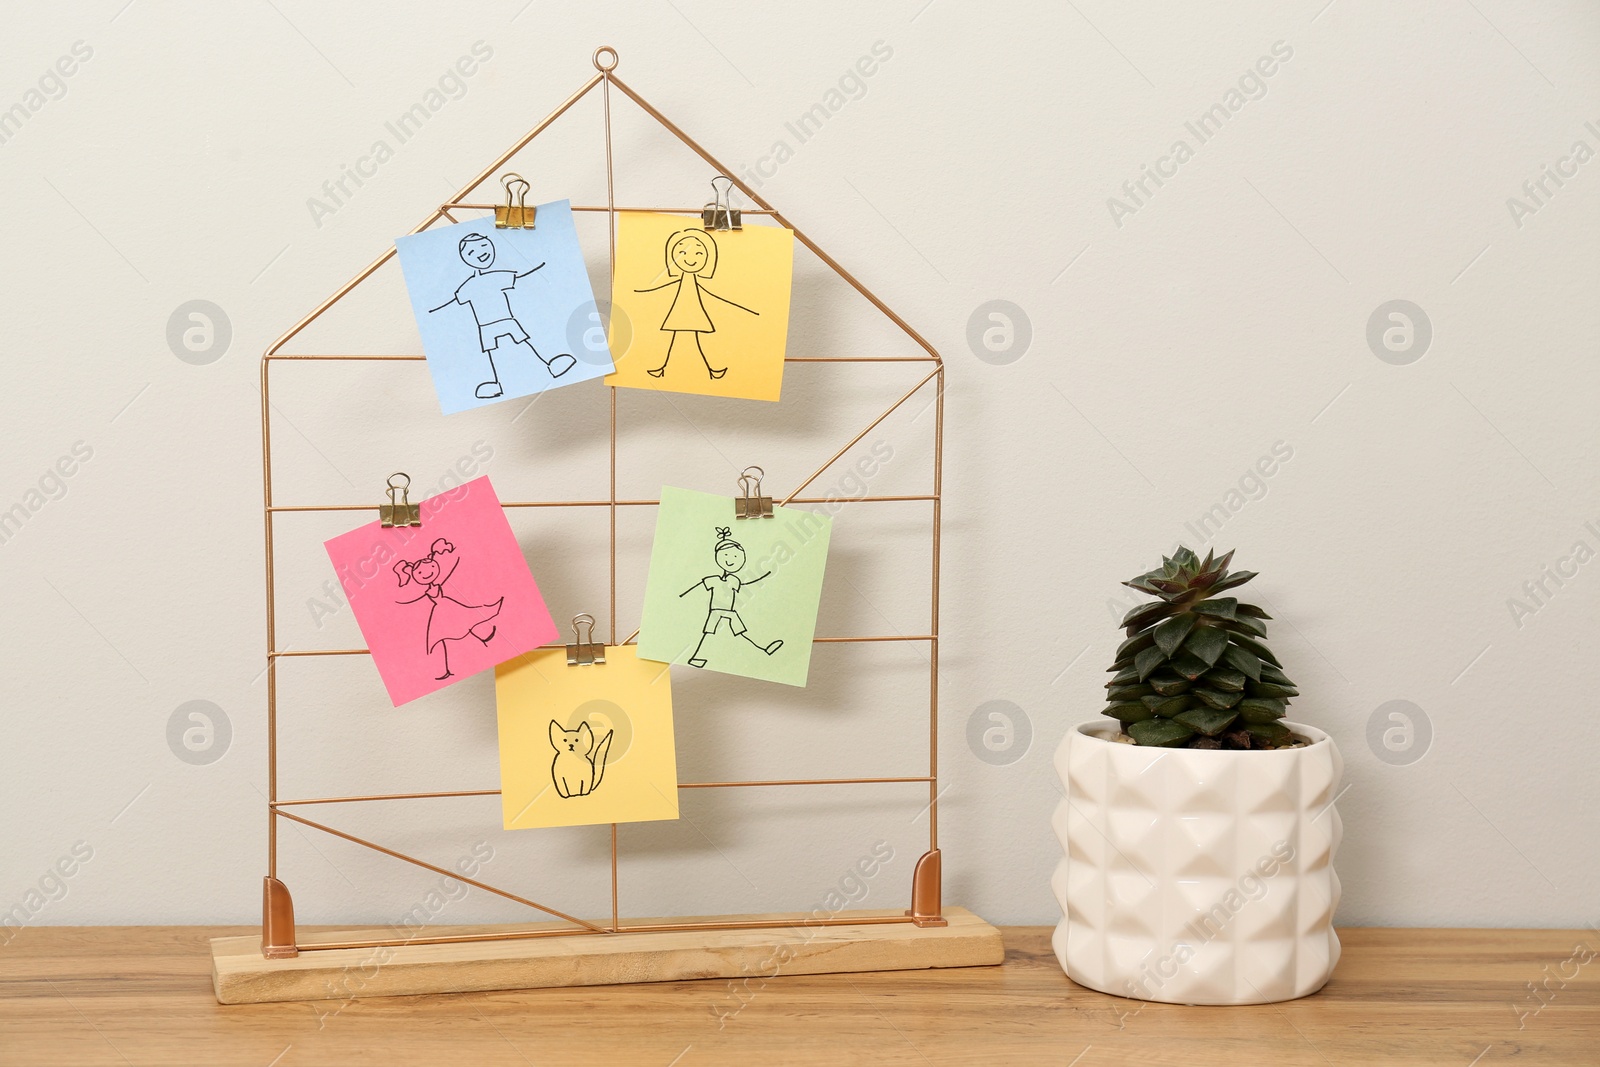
x=1134, y=645
x=1125, y=676
x=1275, y=675
x=1248, y=627
x=1170, y=634
x=1225, y=678
x=1234, y=579
x=1161, y=733
x=1142, y=583
x=1188, y=665
x=1209, y=721
x=1167, y=707
x=1124, y=693
x=1184, y=557
x=1149, y=660
x=1145, y=614
x=1274, y=733
x=1243, y=660
x=1128, y=712
x=1261, y=709
x=1206, y=644
x=1169, y=684
x=1269, y=689
x=1253, y=612
x=1214, y=698
x=1251, y=645
x=1221, y=607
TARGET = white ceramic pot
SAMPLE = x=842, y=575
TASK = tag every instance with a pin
x=1197, y=876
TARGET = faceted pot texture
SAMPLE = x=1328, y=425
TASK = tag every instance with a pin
x=1197, y=876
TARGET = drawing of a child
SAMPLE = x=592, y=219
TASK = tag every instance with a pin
x=485, y=293
x=691, y=260
x=724, y=589
x=448, y=618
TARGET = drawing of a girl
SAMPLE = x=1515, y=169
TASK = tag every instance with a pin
x=448, y=618
x=691, y=259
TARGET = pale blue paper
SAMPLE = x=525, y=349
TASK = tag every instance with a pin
x=554, y=306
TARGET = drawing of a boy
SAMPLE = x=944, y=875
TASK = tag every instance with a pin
x=485, y=293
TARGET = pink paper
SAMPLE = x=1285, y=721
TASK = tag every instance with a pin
x=442, y=601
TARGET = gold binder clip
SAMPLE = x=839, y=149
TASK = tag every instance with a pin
x=515, y=213
x=584, y=653
x=750, y=504
x=399, y=511
x=720, y=214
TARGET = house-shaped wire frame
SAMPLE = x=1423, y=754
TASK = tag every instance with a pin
x=277, y=929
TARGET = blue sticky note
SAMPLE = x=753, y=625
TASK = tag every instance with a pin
x=504, y=313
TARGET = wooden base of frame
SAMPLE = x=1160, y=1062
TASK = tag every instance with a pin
x=242, y=975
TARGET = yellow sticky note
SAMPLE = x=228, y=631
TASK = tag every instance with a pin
x=697, y=311
x=589, y=744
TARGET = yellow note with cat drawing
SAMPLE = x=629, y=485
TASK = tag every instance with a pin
x=585, y=744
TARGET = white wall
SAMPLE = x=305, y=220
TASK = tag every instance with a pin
x=1172, y=346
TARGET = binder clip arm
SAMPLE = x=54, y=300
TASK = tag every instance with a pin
x=750, y=504
x=399, y=511
x=585, y=651
x=720, y=214
x=515, y=214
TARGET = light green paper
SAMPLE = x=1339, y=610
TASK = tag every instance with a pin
x=775, y=598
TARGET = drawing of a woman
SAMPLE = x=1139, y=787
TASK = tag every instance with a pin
x=691, y=259
x=448, y=618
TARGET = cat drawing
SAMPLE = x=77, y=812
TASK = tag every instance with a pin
x=580, y=762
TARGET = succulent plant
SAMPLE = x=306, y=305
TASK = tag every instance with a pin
x=1195, y=671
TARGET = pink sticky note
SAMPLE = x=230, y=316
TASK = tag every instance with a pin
x=442, y=601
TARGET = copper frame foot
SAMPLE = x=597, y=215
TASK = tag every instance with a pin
x=277, y=921
x=925, y=891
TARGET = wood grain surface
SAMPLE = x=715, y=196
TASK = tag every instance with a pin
x=241, y=976
x=119, y=995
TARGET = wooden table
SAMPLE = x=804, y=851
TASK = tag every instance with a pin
x=142, y=995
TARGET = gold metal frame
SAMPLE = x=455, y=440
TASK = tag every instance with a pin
x=277, y=926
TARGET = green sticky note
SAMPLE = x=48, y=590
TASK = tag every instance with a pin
x=737, y=596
